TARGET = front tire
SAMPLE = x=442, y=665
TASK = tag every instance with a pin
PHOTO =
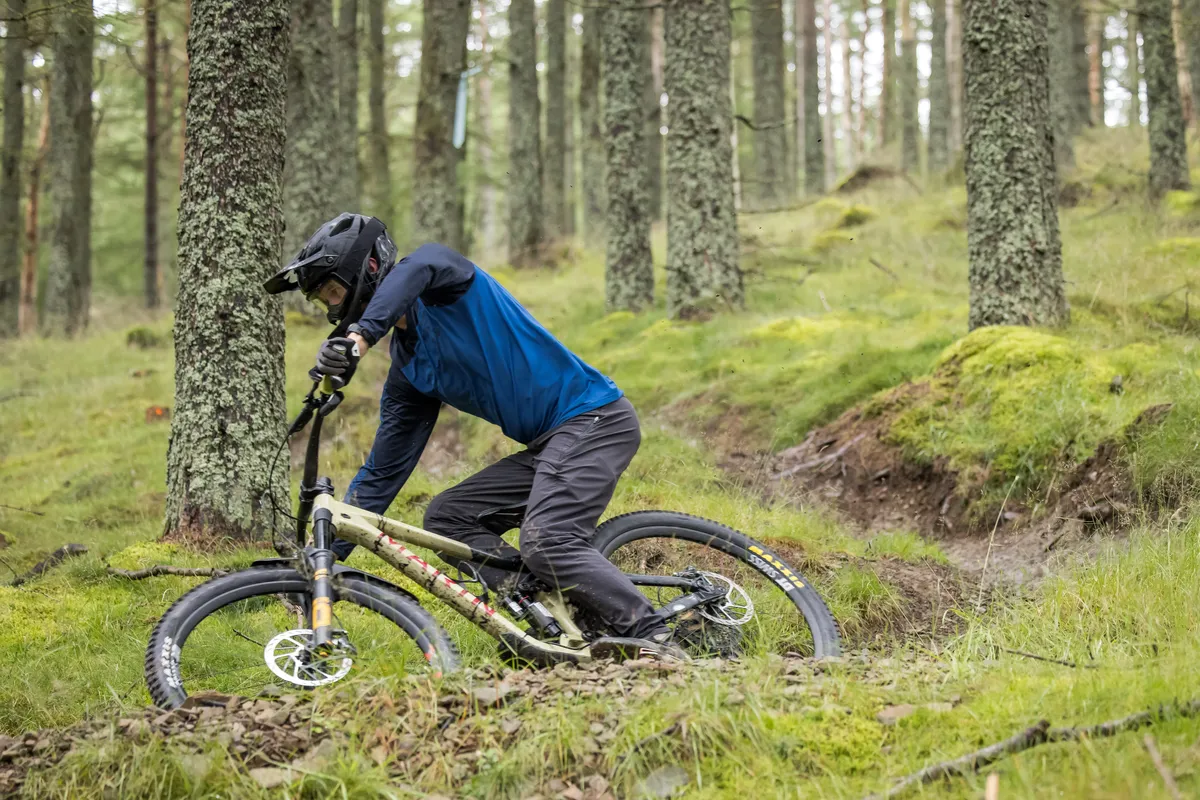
x=241, y=601
x=618, y=539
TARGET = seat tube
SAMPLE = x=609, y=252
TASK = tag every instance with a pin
x=322, y=585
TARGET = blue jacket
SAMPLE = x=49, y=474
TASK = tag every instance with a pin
x=468, y=343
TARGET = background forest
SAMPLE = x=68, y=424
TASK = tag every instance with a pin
x=901, y=288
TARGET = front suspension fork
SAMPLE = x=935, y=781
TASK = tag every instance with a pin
x=322, y=559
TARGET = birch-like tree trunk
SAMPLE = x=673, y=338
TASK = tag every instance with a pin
x=10, y=166
x=228, y=418
x=1168, y=131
x=1013, y=241
x=437, y=198
x=486, y=227
x=69, y=278
x=702, y=237
x=653, y=65
x=525, y=218
x=591, y=125
x=556, y=118
x=848, y=95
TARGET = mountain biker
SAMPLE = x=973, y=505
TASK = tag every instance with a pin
x=458, y=337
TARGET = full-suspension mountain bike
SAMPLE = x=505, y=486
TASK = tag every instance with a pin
x=307, y=621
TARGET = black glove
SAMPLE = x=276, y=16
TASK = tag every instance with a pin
x=336, y=358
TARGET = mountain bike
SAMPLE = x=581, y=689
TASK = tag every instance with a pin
x=306, y=621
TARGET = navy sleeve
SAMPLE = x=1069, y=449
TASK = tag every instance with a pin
x=406, y=418
x=432, y=272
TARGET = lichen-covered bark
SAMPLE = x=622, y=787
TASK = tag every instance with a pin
x=1168, y=131
x=906, y=67
x=346, y=172
x=437, y=211
x=1058, y=33
x=814, y=150
x=229, y=340
x=377, y=166
x=555, y=167
x=308, y=176
x=69, y=276
x=888, y=127
x=772, y=187
x=524, y=137
x=629, y=273
x=1012, y=214
x=10, y=166
x=652, y=63
x=702, y=238
x=591, y=124
x=939, y=93
x=485, y=229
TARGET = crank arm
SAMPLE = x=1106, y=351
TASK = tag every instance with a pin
x=670, y=581
x=686, y=603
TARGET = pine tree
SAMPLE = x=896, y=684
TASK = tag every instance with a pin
x=150, y=265
x=1012, y=214
x=556, y=118
x=229, y=407
x=814, y=150
x=906, y=66
x=888, y=122
x=1080, y=92
x=1190, y=32
x=1168, y=131
x=954, y=69
x=591, y=124
x=1095, y=52
x=629, y=274
x=828, y=142
x=10, y=167
x=437, y=201
x=770, y=135
x=653, y=65
x=69, y=277
x=347, y=92
x=311, y=103
x=377, y=166
x=702, y=238
x=1134, y=69
x=524, y=137
x=939, y=93
x=1062, y=110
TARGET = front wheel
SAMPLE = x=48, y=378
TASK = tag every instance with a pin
x=241, y=632
x=766, y=605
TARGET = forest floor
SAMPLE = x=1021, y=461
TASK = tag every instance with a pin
x=956, y=498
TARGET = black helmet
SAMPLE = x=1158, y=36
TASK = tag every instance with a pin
x=333, y=268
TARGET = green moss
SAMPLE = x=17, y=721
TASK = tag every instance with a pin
x=145, y=338
x=855, y=215
x=1182, y=203
x=1185, y=246
x=825, y=241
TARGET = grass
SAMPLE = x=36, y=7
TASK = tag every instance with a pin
x=824, y=329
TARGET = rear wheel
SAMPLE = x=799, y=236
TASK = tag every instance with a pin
x=239, y=633
x=764, y=605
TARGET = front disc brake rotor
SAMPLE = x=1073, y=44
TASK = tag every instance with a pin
x=735, y=609
x=290, y=657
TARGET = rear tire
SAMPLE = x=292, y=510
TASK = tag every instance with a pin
x=169, y=639
x=628, y=528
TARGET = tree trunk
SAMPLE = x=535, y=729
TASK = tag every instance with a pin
x=629, y=272
x=939, y=93
x=28, y=314
x=437, y=212
x=524, y=137
x=1168, y=131
x=653, y=65
x=229, y=405
x=591, y=125
x=486, y=237
x=377, y=130
x=734, y=164
x=772, y=188
x=848, y=99
x=864, y=143
x=814, y=148
x=1062, y=111
x=1095, y=34
x=828, y=141
x=69, y=279
x=1134, y=69
x=954, y=72
x=10, y=167
x=702, y=237
x=347, y=91
x=1180, y=25
x=887, y=77
x=556, y=118
x=1013, y=242
x=308, y=170
x=151, y=278
x=187, y=65
x=1079, y=80
x=570, y=171
x=910, y=127
x=1190, y=31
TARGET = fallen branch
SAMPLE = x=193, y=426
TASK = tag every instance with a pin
x=884, y=269
x=1047, y=659
x=50, y=562
x=1156, y=757
x=23, y=510
x=817, y=462
x=1039, y=734
x=163, y=569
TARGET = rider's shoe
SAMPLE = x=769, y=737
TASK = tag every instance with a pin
x=619, y=648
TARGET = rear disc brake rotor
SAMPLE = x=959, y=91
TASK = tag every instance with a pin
x=735, y=609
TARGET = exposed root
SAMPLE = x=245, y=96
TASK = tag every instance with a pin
x=50, y=562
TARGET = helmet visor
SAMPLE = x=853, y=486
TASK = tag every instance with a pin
x=330, y=294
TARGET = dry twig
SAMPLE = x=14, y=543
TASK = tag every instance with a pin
x=50, y=562
x=163, y=569
x=1156, y=757
x=875, y=263
x=816, y=462
x=1036, y=657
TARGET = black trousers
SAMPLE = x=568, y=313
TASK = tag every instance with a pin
x=555, y=490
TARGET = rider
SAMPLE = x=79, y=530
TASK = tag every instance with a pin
x=459, y=338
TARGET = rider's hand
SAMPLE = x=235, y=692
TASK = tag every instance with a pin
x=336, y=358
